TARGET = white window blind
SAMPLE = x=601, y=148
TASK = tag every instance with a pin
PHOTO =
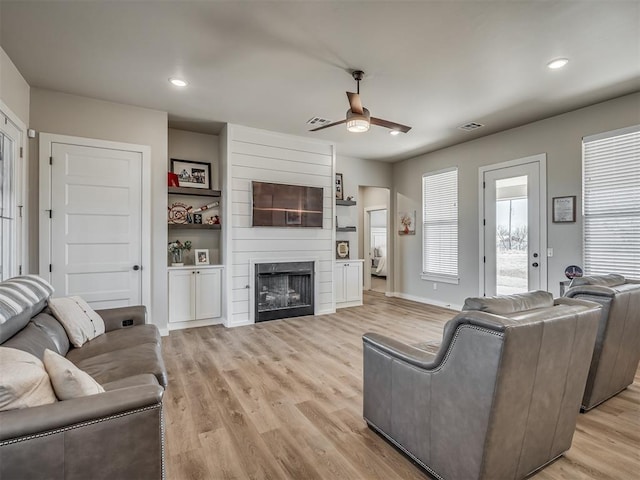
x=611, y=203
x=440, y=226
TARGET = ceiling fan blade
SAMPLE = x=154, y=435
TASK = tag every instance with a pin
x=355, y=103
x=327, y=126
x=388, y=124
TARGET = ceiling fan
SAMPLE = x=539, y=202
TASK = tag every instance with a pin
x=359, y=118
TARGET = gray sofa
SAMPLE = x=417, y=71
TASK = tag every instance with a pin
x=500, y=397
x=117, y=434
x=617, y=350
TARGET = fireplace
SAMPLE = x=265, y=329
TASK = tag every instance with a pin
x=283, y=290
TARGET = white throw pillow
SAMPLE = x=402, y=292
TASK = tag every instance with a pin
x=68, y=380
x=79, y=320
x=23, y=381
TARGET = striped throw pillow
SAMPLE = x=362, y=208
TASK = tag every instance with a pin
x=20, y=299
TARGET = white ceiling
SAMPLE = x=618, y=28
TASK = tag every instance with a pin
x=274, y=65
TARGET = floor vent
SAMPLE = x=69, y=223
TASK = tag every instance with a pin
x=467, y=127
x=317, y=122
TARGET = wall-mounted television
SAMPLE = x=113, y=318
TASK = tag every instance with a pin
x=278, y=205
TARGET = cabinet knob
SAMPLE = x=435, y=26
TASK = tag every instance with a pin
x=193, y=273
x=136, y=267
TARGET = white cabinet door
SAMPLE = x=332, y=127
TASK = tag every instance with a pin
x=353, y=281
x=208, y=294
x=339, y=282
x=182, y=295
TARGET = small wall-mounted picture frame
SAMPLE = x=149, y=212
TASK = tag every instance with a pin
x=564, y=209
x=407, y=223
x=192, y=174
x=342, y=250
x=202, y=256
x=339, y=187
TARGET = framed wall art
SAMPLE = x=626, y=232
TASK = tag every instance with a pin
x=342, y=250
x=564, y=209
x=339, y=187
x=192, y=174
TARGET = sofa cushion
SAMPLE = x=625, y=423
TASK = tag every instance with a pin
x=79, y=320
x=133, y=381
x=610, y=280
x=42, y=332
x=508, y=304
x=20, y=299
x=24, y=382
x=68, y=380
x=116, y=340
x=119, y=364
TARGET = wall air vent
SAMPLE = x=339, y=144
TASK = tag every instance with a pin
x=317, y=122
x=467, y=127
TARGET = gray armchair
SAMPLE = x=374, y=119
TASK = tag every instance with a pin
x=500, y=397
x=617, y=350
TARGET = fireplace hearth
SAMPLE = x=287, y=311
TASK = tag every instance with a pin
x=283, y=290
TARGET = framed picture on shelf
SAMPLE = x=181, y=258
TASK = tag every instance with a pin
x=342, y=250
x=192, y=174
x=202, y=256
x=339, y=187
x=564, y=209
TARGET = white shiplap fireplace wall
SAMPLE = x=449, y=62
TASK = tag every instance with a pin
x=256, y=155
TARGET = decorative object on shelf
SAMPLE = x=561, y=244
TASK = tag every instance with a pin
x=192, y=174
x=215, y=220
x=339, y=187
x=172, y=180
x=206, y=207
x=350, y=198
x=407, y=225
x=179, y=213
x=573, y=271
x=293, y=217
x=342, y=249
x=202, y=256
x=564, y=209
x=197, y=218
x=176, y=249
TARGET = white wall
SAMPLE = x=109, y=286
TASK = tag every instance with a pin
x=60, y=113
x=559, y=137
x=271, y=157
x=199, y=147
x=14, y=90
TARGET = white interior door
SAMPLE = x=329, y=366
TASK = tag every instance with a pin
x=513, y=240
x=96, y=229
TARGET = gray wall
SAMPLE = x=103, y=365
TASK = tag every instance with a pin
x=559, y=137
x=60, y=113
x=14, y=90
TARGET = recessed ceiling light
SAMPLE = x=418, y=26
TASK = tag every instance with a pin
x=557, y=63
x=178, y=82
x=395, y=132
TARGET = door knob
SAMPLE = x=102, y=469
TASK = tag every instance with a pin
x=136, y=267
x=534, y=264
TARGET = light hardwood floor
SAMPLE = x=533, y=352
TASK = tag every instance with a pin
x=283, y=400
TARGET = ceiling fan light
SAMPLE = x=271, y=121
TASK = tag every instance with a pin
x=358, y=123
x=395, y=132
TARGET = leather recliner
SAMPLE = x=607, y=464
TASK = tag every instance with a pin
x=499, y=399
x=617, y=349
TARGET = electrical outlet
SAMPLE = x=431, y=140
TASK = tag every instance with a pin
x=549, y=252
x=435, y=286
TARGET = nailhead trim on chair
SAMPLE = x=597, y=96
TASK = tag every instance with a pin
x=84, y=424
x=455, y=337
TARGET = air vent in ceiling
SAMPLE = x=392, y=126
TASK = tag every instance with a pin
x=318, y=122
x=467, y=127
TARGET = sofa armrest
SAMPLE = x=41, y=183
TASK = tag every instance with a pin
x=399, y=350
x=35, y=420
x=123, y=317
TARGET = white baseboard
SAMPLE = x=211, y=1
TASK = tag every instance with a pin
x=428, y=301
x=193, y=323
x=164, y=332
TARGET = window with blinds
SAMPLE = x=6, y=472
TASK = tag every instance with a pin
x=440, y=226
x=611, y=202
